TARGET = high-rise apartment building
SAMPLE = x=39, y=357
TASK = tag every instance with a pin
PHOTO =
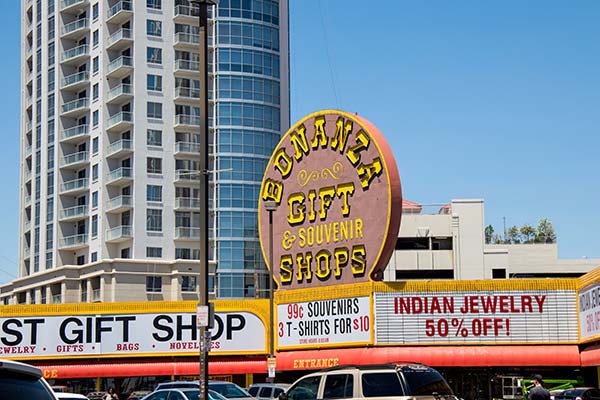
x=110, y=137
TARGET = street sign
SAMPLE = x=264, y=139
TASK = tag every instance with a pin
x=271, y=363
x=202, y=316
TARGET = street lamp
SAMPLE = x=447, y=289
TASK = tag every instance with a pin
x=203, y=305
x=271, y=206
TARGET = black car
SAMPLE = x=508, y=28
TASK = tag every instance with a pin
x=582, y=393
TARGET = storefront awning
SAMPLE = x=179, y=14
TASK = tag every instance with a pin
x=155, y=367
x=438, y=356
x=590, y=357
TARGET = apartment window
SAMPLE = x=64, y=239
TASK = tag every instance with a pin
x=51, y=80
x=94, y=256
x=51, y=54
x=94, y=226
x=154, y=55
x=153, y=27
x=154, y=110
x=154, y=137
x=154, y=165
x=95, y=118
x=51, y=7
x=153, y=220
x=95, y=65
x=155, y=4
x=154, y=82
x=154, y=193
x=153, y=284
x=125, y=253
x=188, y=283
x=80, y=260
x=95, y=38
x=50, y=209
x=95, y=12
x=95, y=90
x=95, y=145
x=50, y=158
x=50, y=28
x=95, y=199
x=94, y=172
x=50, y=184
x=155, y=252
x=49, y=260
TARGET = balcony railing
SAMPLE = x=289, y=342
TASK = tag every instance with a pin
x=187, y=11
x=75, y=240
x=73, y=26
x=79, y=130
x=119, y=145
x=185, y=119
x=123, y=231
x=187, y=202
x=186, y=175
x=119, y=173
x=75, y=105
x=120, y=201
x=56, y=299
x=28, y=151
x=122, y=116
x=68, y=3
x=185, y=147
x=187, y=65
x=27, y=200
x=120, y=6
x=187, y=232
x=122, y=89
x=75, y=52
x=74, y=185
x=123, y=61
x=26, y=226
x=96, y=295
x=184, y=91
x=76, y=78
x=74, y=212
x=189, y=38
x=122, y=33
x=75, y=158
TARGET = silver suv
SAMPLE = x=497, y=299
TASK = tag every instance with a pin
x=20, y=381
x=373, y=382
x=266, y=391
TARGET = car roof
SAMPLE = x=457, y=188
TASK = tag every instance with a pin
x=19, y=367
x=65, y=395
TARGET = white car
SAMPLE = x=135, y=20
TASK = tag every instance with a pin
x=20, y=381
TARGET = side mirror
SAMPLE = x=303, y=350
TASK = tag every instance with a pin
x=283, y=396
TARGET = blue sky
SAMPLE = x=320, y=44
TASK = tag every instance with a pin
x=492, y=100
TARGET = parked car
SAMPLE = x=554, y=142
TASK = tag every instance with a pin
x=20, y=381
x=227, y=389
x=554, y=393
x=381, y=381
x=579, y=393
x=183, y=393
x=96, y=395
x=70, y=396
x=264, y=391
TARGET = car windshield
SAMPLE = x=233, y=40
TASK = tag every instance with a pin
x=426, y=381
x=229, y=390
x=15, y=386
x=192, y=394
x=573, y=392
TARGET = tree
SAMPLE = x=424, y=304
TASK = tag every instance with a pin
x=489, y=234
x=545, y=232
x=514, y=235
x=528, y=233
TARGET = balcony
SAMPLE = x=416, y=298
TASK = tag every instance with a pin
x=120, y=40
x=186, y=176
x=187, y=203
x=73, y=213
x=96, y=295
x=74, y=134
x=73, y=242
x=29, y=53
x=187, y=41
x=76, y=81
x=119, y=204
x=73, y=6
x=28, y=151
x=188, y=149
x=119, y=234
x=26, y=252
x=187, y=67
x=76, y=108
x=120, y=94
x=119, y=148
x=27, y=175
x=26, y=226
x=120, y=67
x=183, y=93
x=187, y=233
x=75, y=30
x=74, y=187
x=119, y=122
x=120, y=12
x=27, y=201
x=28, y=127
x=187, y=121
x=186, y=14
x=120, y=176
x=75, y=160
x=75, y=55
